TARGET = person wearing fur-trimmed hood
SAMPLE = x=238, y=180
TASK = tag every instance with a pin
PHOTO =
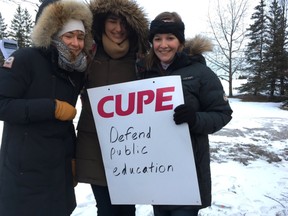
x=205, y=109
x=39, y=88
x=120, y=30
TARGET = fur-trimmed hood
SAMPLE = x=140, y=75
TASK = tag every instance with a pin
x=130, y=10
x=55, y=15
x=198, y=45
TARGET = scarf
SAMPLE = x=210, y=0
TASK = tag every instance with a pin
x=115, y=51
x=67, y=60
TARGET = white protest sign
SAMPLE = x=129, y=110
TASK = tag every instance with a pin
x=148, y=159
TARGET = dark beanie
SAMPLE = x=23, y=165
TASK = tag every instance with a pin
x=164, y=27
x=44, y=4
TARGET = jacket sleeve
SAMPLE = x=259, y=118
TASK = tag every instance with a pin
x=214, y=112
x=15, y=80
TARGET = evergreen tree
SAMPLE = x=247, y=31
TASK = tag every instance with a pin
x=21, y=27
x=28, y=24
x=275, y=55
x=255, y=51
x=3, y=34
x=3, y=27
x=17, y=27
x=283, y=73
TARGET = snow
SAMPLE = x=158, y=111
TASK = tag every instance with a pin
x=249, y=165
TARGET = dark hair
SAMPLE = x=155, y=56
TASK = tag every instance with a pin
x=165, y=22
x=99, y=26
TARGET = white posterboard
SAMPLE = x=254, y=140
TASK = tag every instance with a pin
x=148, y=159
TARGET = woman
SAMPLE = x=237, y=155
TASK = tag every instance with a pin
x=206, y=108
x=39, y=87
x=121, y=34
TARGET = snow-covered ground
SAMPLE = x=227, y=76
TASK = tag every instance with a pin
x=249, y=166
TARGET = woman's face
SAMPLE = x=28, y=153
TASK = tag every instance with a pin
x=165, y=47
x=74, y=40
x=115, y=29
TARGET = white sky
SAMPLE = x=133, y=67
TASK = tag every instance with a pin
x=194, y=13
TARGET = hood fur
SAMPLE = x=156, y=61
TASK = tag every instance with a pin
x=130, y=10
x=198, y=45
x=55, y=15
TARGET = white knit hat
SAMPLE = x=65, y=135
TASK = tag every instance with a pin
x=71, y=25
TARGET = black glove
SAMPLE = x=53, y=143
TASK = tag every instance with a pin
x=184, y=113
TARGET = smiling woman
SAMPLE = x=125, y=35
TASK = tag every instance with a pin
x=42, y=84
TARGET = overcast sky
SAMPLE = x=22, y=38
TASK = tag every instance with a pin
x=193, y=13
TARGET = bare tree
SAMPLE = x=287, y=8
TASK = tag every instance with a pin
x=228, y=29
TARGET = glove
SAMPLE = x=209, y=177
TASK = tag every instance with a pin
x=64, y=111
x=184, y=113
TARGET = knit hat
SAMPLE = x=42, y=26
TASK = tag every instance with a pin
x=71, y=25
x=54, y=14
x=164, y=27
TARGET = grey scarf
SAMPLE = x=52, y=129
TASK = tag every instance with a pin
x=67, y=60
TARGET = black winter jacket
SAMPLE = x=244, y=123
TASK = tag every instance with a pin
x=37, y=149
x=204, y=92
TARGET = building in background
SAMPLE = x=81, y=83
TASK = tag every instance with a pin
x=7, y=47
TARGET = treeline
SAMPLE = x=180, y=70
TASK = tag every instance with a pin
x=19, y=29
x=266, y=53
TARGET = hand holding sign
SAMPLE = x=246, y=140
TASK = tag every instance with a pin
x=184, y=113
x=148, y=159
